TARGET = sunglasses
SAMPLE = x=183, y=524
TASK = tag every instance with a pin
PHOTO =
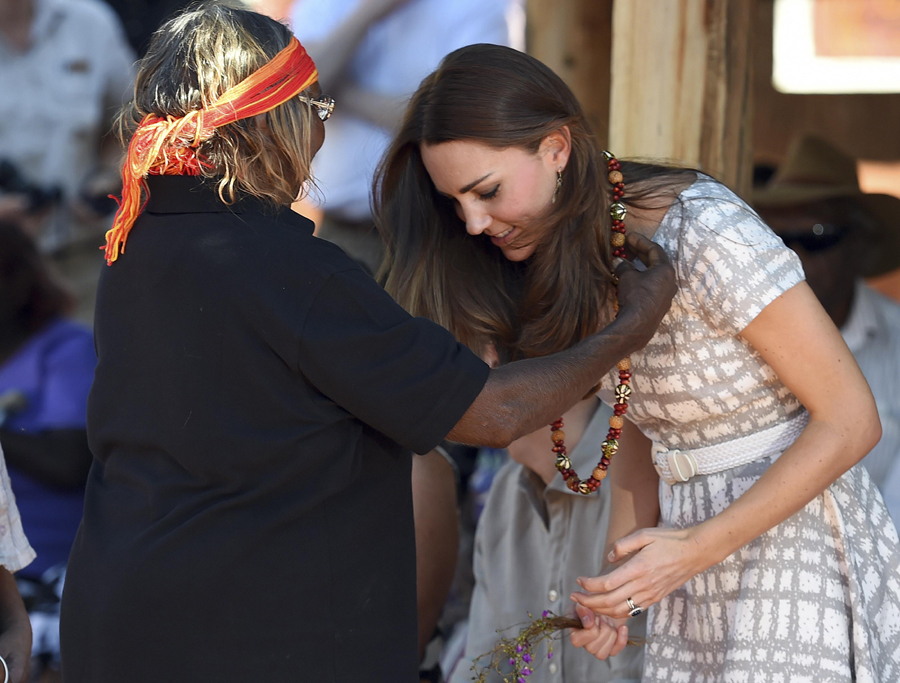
x=822, y=237
x=323, y=104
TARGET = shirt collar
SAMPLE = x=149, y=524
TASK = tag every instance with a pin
x=863, y=322
x=584, y=458
x=195, y=194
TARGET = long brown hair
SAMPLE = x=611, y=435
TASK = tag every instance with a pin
x=503, y=98
x=194, y=58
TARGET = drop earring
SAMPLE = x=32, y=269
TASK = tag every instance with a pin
x=558, y=185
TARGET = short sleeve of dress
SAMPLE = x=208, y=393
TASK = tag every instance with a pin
x=729, y=260
x=406, y=377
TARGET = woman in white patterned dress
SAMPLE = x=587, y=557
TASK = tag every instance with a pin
x=774, y=558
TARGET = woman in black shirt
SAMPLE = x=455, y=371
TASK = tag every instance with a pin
x=248, y=514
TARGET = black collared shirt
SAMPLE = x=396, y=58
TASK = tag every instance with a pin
x=248, y=515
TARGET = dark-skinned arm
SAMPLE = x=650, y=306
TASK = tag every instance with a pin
x=521, y=397
x=59, y=458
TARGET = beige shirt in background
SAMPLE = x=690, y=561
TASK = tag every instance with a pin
x=532, y=542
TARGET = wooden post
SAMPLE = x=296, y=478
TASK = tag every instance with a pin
x=573, y=37
x=681, y=85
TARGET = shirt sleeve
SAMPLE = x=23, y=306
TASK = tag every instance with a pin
x=313, y=21
x=478, y=21
x=403, y=376
x=732, y=264
x=481, y=631
x=69, y=373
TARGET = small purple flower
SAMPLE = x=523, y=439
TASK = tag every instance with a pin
x=526, y=671
x=512, y=662
x=546, y=613
x=550, y=654
x=519, y=648
x=522, y=680
x=526, y=658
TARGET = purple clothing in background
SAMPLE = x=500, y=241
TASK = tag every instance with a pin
x=54, y=371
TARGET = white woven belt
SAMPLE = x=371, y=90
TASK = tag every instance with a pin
x=676, y=466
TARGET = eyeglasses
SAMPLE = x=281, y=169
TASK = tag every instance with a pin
x=822, y=237
x=323, y=104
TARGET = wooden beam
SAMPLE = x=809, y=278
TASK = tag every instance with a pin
x=573, y=37
x=681, y=84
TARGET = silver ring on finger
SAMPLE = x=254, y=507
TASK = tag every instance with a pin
x=634, y=610
x=5, y=670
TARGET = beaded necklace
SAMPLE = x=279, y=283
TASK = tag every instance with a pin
x=610, y=446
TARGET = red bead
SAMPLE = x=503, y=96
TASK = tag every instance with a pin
x=604, y=461
x=573, y=484
x=557, y=449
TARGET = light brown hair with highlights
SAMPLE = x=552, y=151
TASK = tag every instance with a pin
x=194, y=58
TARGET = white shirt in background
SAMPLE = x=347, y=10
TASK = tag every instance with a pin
x=55, y=99
x=392, y=59
x=873, y=334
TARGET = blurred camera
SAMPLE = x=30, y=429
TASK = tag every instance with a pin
x=39, y=197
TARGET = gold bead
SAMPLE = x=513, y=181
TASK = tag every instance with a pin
x=617, y=210
x=563, y=463
x=616, y=177
x=618, y=239
x=624, y=364
x=609, y=447
x=617, y=422
x=558, y=436
x=599, y=474
x=616, y=305
x=584, y=488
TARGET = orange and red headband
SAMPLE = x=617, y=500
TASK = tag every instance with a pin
x=166, y=146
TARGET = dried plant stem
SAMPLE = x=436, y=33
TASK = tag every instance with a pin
x=515, y=658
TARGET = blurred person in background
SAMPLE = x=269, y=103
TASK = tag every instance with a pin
x=46, y=368
x=65, y=69
x=842, y=235
x=535, y=538
x=372, y=55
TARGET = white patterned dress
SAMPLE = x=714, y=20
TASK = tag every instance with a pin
x=817, y=598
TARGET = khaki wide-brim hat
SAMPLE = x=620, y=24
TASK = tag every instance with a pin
x=815, y=171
